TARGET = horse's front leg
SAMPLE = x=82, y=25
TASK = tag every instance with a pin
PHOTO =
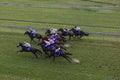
x=66, y=57
x=80, y=36
x=31, y=39
x=69, y=37
x=35, y=54
x=53, y=57
x=19, y=51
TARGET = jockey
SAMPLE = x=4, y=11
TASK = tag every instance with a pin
x=27, y=46
x=47, y=44
x=55, y=35
x=66, y=31
x=77, y=29
x=52, y=37
x=53, y=30
x=32, y=31
x=51, y=41
x=57, y=50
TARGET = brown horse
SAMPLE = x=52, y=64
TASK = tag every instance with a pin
x=62, y=53
x=80, y=34
x=37, y=36
x=66, y=33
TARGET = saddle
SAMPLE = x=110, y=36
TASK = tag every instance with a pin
x=57, y=53
x=27, y=49
x=33, y=34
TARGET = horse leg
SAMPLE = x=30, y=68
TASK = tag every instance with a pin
x=68, y=54
x=43, y=49
x=19, y=51
x=81, y=36
x=69, y=37
x=67, y=58
x=46, y=52
x=39, y=40
x=63, y=48
x=52, y=54
x=38, y=52
x=32, y=39
x=35, y=54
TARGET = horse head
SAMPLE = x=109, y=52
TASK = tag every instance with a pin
x=27, y=32
x=73, y=30
x=47, y=32
x=20, y=44
x=84, y=33
x=61, y=29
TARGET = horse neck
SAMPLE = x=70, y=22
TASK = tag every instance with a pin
x=73, y=30
x=22, y=46
x=32, y=48
x=28, y=33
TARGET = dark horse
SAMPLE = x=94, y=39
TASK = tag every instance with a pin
x=37, y=36
x=62, y=54
x=33, y=50
x=47, y=33
x=50, y=52
x=59, y=35
x=81, y=33
x=68, y=33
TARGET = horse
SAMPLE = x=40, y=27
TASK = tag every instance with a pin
x=81, y=33
x=33, y=50
x=61, y=53
x=46, y=51
x=50, y=31
x=42, y=45
x=49, y=52
x=37, y=36
x=68, y=33
x=59, y=36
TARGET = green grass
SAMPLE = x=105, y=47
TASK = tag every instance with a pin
x=36, y=26
x=99, y=59
x=74, y=16
x=70, y=2
x=98, y=54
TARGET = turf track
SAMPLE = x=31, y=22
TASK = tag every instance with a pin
x=98, y=54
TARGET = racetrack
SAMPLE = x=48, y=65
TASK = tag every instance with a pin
x=43, y=28
x=114, y=6
x=98, y=53
x=97, y=58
